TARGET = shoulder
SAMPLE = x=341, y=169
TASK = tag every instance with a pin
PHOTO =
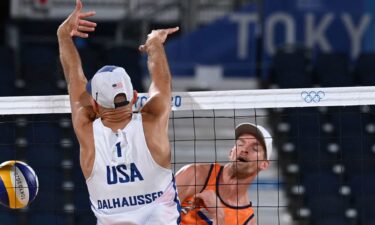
x=191, y=179
x=157, y=106
x=193, y=173
x=195, y=167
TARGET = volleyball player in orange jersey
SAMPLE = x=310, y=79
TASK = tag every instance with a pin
x=217, y=194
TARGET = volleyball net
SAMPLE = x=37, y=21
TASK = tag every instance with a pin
x=321, y=166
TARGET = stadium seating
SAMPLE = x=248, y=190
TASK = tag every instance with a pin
x=91, y=60
x=365, y=206
x=332, y=221
x=51, y=218
x=332, y=70
x=81, y=199
x=328, y=206
x=328, y=168
x=44, y=155
x=365, y=69
x=362, y=185
x=39, y=69
x=8, y=133
x=7, y=217
x=318, y=184
x=43, y=132
x=291, y=67
x=7, y=70
x=48, y=199
x=7, y=153
x=130, y=59
x=348, y=123
x=85, y=218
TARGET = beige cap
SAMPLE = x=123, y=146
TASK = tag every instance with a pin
x=259, y=132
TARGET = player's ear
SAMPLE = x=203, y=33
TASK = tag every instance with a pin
x=232, y=151
x=264, y=164
x=94, y=105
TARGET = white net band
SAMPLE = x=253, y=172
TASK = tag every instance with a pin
x=241, y=99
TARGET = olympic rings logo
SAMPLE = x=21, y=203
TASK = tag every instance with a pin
x=312, y=96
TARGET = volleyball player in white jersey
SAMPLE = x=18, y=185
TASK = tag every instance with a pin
x=124, y=157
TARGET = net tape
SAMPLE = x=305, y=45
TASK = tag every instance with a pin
x=235, y=99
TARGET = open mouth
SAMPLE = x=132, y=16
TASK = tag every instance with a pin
x=240, y=159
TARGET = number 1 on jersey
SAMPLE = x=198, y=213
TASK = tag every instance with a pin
x=118, y=146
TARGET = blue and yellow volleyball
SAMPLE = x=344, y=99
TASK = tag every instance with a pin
x=18, y=184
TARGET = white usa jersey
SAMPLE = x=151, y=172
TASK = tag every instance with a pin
x=126, y=185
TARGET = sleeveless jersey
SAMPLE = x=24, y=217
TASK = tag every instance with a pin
x=236, y=215
x=126, y=185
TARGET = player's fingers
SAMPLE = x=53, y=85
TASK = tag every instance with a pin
x=87, y=29
x=78, y=5
x=198, y=197
x=79, y=34
x=82, y=35
x=198, y=202
x=172, y=30
x=87, y=23
x=142, y=48
x=87, y=14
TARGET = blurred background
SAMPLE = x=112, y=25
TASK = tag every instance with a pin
x=222, y=45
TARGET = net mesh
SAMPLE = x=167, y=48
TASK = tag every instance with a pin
x=321, y=169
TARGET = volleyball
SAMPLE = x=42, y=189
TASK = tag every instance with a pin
x=18, y=184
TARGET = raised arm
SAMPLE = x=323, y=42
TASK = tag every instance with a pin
x=160, y=89
x=75, y=25
x=155, y=112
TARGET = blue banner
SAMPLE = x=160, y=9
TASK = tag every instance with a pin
x=322, y=25
x=229, y=42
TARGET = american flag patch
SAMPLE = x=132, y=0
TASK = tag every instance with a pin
x=117, y=85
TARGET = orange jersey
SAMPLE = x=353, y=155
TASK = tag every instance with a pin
x=236, y=215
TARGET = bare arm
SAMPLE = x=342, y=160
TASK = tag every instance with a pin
x=185, y=180
x=157, y=109
x=82, y=113
x=191, y=179
x=160, y=89
x=74, y=25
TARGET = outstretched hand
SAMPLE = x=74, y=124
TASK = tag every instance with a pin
x=159, y=35
x=76, y=24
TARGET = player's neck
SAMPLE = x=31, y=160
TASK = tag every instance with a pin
x=229, y=184
x=116, y=119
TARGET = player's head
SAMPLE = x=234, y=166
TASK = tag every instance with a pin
x=253, y=147
x=260, y=133
x=111, y=88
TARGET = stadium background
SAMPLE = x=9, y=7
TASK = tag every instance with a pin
x=223, y=45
